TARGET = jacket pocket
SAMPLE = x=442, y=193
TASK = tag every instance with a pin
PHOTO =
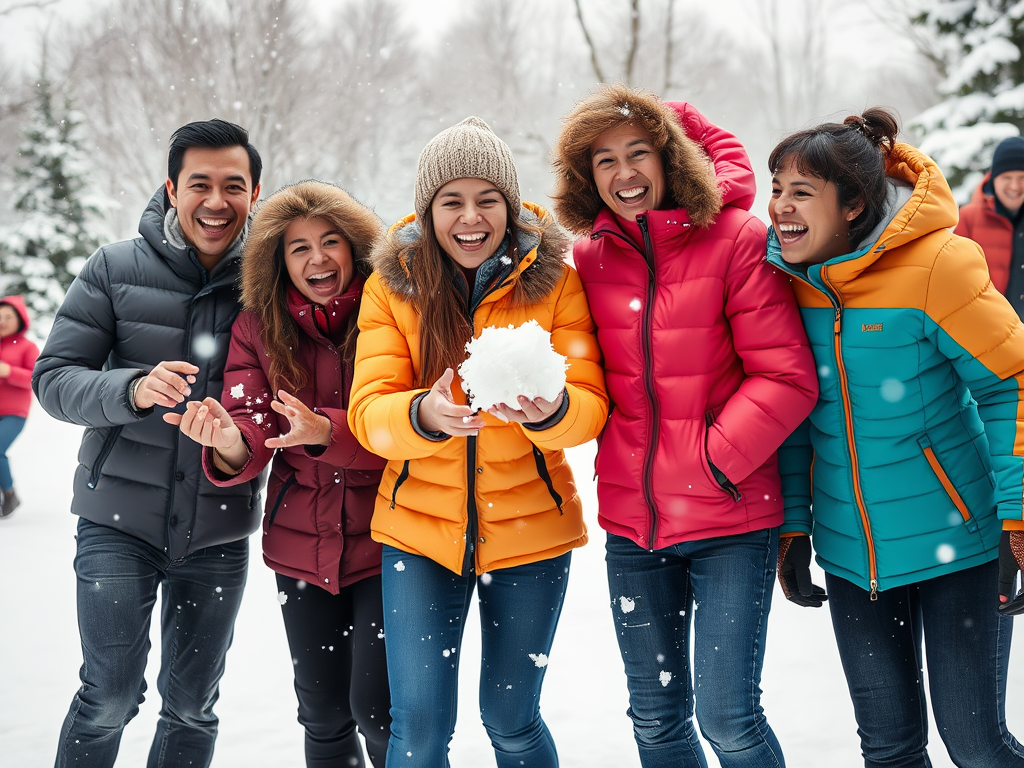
x=947, y=484
x=402, y=477
x=101, y=457
x=542, y=470
x=280, y=498
x=723, y=482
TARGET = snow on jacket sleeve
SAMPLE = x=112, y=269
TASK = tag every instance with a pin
x=69, y=380
x=383, y=385
x=974, y=326
x=733, y=170
x=795, y=458
x=246, y=397
x=781, y=385
x=573, y=335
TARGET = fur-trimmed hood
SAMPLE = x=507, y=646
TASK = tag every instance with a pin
x=690, y=177
x=303, y=200
x=393, y=256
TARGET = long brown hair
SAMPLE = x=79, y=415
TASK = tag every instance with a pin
x=444, y=328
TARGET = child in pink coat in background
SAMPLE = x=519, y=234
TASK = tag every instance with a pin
x=17, y=357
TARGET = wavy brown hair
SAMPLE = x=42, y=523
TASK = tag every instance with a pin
x=265, y=278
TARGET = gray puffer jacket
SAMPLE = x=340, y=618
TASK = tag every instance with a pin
x=134, y=304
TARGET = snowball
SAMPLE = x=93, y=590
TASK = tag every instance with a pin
x=504, y=363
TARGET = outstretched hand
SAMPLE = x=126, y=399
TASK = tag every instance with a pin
x=209, y=424
x=438, y=411
x=168, y=384
x=307, y=427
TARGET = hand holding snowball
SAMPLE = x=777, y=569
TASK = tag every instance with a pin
x=307, y=427
x=209, y=424
x=438, y=411
x=530, y=411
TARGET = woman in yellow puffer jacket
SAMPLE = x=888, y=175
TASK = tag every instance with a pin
x=471, y=499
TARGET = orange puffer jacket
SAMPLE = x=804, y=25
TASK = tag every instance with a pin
x=509, y=490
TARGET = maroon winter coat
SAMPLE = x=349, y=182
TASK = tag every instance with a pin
x=316, y=526
x=980, y=221
x=706, y=360
x=19, y=353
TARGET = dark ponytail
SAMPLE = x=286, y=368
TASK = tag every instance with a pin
x=852, y=156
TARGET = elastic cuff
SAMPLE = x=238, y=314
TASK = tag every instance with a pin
x=554, y=418
x=414, y=410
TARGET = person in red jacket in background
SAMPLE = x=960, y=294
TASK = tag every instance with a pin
x=993, y=219
x=17, y=357
x=708, y=369
x=286, y=388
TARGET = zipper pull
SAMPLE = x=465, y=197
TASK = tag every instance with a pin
x=874, y=590
x=838, y=321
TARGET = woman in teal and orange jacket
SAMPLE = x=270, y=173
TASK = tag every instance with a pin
x=916, y=441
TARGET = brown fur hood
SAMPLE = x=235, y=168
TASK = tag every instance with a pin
x=689, y=175
x=393, y=255
x=303, y=200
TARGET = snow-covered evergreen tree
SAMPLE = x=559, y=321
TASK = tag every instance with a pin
x=979, y=45
x=55, y=225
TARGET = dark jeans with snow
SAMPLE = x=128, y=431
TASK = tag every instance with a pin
x=724, y=586
x=967, y=647
x=118, y=579
x=341, y=673
x=426, y=607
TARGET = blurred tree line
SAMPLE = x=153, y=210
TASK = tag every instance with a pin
x=350, y=95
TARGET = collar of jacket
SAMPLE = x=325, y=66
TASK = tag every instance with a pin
x=539, y=270
x=336, y=311
x=663, y=227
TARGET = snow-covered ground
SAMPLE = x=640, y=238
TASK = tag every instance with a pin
x=584, y=698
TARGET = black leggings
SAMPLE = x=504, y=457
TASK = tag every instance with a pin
x=341, y=676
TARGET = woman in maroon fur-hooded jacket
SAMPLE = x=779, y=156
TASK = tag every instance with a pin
x=286, y=389
x=708, y=370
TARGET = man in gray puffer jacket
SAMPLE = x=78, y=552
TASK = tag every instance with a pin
x=144, y=327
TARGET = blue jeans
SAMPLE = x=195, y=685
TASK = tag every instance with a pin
x=725, y=584
x=10, y=428
x=425, y=607
x=967, y=645
x=118, y=577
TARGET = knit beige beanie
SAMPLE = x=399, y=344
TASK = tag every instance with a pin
x=467, y=150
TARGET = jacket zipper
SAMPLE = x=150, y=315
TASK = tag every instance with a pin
x=280, y=497
x=542, y=470
x=402, y=476
x=101, y=457
x=851, y=443
x=472, y=524
x=947, y=484
x=720, y=477
x=652, y=399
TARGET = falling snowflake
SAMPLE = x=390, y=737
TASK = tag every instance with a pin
x=539, y=659
x=399, y=566
x=665, y=678
x=282, y=598
x=635, y=305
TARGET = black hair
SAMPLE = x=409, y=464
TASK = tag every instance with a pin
x=17, y=314
x=211, y=134
x=852, y=156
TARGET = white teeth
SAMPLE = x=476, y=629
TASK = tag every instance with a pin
x=792, y=228
x=214, y=222
x=321, y=276
x=629, y=194
x=471, y=238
